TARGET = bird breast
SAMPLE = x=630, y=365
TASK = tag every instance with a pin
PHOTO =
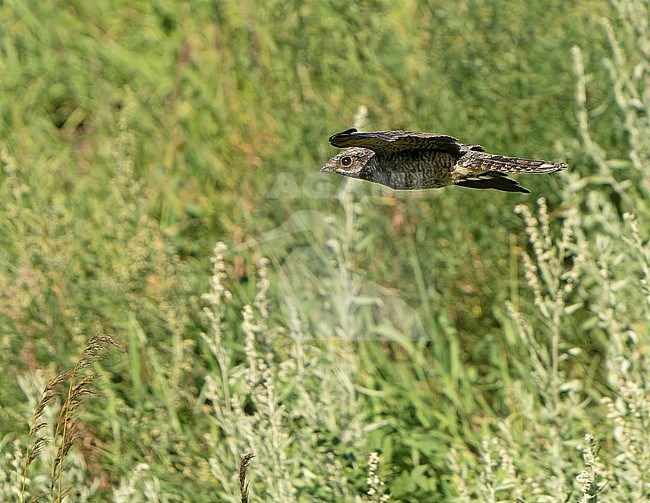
x=411, y=170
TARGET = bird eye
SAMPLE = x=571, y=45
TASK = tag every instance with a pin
x=346, y=161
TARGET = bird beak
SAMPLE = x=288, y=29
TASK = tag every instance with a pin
x=327, y=168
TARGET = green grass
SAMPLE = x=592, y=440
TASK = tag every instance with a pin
x=488, y=346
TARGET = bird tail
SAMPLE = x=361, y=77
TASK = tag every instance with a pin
x=480, y=170
x=482, y=161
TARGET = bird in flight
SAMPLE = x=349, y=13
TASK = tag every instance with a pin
x=407, y=160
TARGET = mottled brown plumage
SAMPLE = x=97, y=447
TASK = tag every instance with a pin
x=408, y=160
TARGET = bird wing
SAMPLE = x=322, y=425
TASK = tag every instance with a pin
x=396, y=141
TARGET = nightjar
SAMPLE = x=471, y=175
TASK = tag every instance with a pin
x=407, y=160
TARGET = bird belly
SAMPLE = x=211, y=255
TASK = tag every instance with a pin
x=413, y=171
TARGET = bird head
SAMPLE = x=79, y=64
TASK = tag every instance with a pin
x=350, y=162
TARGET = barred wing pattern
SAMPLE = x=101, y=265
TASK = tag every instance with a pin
x=396, y=141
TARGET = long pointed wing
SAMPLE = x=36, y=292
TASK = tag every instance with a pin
x=396, y=141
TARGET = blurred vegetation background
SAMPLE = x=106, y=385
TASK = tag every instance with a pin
x=488, y=346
